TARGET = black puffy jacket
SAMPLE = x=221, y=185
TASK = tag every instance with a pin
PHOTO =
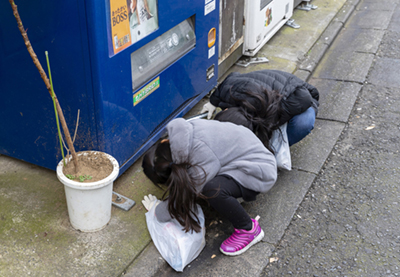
x=297, y=94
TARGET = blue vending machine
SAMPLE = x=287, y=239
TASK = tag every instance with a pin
x=128, y=66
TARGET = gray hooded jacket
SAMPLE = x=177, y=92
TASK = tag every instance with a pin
x=221, y=148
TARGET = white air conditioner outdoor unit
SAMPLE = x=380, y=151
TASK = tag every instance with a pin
x=263, y=18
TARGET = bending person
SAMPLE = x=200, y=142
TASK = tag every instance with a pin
x=216, y=161
x=273, y=96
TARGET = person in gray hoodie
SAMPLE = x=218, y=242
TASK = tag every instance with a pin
x=216, y=161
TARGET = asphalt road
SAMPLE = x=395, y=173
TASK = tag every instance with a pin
x=348, y=223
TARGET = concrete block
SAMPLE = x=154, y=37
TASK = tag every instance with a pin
x=314, y=56
x=278, y=206
x=148, y=263
x=311, y=153
x=336, y=98
x=347, y=10
x=360, y=40
x=344, y=66
x=382, y=5
x=330, y=33
x=302, y=74
x=395, y=20
x=370, y=19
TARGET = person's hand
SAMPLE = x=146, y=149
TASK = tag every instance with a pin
x=149, y=201
x=210, y=108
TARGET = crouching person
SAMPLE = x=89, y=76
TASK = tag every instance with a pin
x=273, y=98
x=216, y=161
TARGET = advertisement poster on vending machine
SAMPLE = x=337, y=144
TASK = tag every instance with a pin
x=131, y=21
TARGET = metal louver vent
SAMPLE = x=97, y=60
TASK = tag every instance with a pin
x=263, y=3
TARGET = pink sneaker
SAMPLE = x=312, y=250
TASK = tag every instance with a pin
x=241, y=240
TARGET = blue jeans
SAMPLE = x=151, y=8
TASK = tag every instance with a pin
x=300, y=126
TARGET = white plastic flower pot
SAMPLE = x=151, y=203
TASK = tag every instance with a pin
x=89, y=204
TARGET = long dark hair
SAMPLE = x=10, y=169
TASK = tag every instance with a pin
x=262, y=111
x=181, y=188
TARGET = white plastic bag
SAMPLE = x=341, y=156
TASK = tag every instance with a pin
x=175, y=246
x=280, y=144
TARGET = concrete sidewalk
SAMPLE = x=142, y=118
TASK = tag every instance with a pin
x=35, y=233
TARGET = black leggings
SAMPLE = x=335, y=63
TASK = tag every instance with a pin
x=222, y=193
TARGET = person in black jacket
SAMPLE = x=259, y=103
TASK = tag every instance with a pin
x=271, y=96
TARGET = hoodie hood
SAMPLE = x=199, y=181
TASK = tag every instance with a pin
x=180, y=134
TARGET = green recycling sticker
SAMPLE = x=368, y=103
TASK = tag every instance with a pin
x=146, y=91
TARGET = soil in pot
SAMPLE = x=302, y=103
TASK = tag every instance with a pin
x=93, y=166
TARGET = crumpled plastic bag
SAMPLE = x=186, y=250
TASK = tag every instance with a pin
x=175, y=246
x=280, y=144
